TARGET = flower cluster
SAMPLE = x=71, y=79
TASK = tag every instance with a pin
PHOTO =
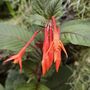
x=51, y=48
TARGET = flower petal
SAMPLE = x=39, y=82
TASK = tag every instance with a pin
x=58, y=60
x=20, y=64
x=62, y=46
x=44, y=69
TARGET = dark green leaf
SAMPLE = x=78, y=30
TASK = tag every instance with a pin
x=32, y=65
x=29, y=68
x=57, y=81
x=14, y=78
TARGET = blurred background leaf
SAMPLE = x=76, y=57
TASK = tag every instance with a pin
x=13, y=37
x=1, y=87
x=80, y=79
x=76, y=32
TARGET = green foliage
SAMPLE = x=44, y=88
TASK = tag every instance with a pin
x=47, y=8
x=30, y=68
x=1, y=2
x=32, y=86
x=43, y=10
x=58, y=81
x=81, y=7
x=14, y=79
x=11, y=10
x=36, y=19
x=13, y=37
x=76, y=32
x=80, y=79
x=54, y=8
x=1, y=87
x=55, y=81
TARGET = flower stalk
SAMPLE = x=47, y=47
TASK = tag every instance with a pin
x=18, y=57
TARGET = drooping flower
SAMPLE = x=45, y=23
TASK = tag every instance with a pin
x=55, y=47
x=50, y=53
x=51, y=48
x=57, y=44
x=18, y=57
x=45, y=58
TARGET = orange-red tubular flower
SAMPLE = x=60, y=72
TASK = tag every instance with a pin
x=45, y=59
x=57, y=45
x=18, y=57
x=50, y=53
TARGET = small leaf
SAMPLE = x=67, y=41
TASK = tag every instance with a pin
x=29, y=68
x=13, y=37
x=32, y=65
x=76, y=32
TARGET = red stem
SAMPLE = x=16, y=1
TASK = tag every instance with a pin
x=28, y=43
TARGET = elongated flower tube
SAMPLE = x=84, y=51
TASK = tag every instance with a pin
x=56, y=45
x=50, y=53
x=18, y=57
x=45, y=58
